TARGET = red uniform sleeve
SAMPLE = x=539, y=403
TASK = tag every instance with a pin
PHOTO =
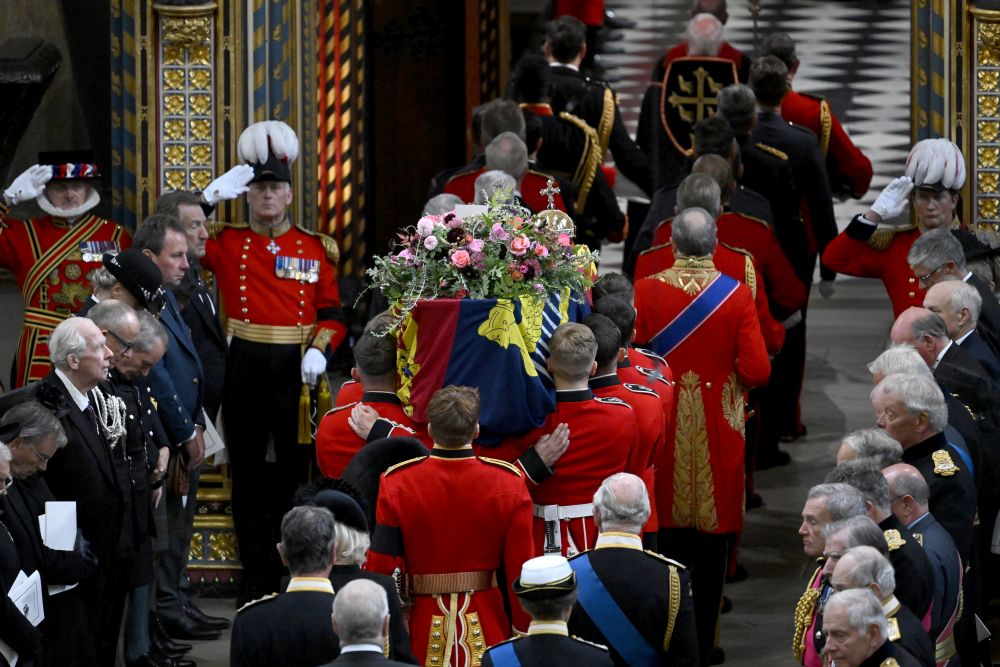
x=851, y=162
x=519, y=546
x=786, y=291
x=752, y=363
x=853, y=257
x=637, y=454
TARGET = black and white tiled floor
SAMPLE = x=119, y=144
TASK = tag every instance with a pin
x=853, y=52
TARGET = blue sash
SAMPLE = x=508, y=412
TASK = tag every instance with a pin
x=608, y=616
x=503, y=655
x=694, y=315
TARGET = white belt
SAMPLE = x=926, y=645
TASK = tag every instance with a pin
x=553, y=515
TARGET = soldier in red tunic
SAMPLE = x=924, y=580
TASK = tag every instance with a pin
x=278, y=283
x=51, y=256
x=872, y=247
x=449, y=521
x=682, y=312
x=375, y=368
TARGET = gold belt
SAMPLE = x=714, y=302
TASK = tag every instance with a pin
x=452, y=582
x=268, y=333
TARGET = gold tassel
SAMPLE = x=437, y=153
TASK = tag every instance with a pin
x=305, y=428
x=324, y=397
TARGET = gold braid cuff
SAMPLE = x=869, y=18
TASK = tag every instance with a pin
x=804, y=613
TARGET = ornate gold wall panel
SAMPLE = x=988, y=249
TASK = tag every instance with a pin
x=984, y=168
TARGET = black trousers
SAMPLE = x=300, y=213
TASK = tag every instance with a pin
x=104, y=600
x=706, y=557
x=260, y=407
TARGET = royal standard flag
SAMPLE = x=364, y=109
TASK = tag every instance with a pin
x=496, y=345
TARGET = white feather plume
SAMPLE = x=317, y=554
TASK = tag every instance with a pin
x=254, y=141
x=933, y=161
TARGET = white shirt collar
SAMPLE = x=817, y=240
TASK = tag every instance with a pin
x=548, y=628
x=567, y=66
x=78, y=397
x=612, y=539
x=940, y=356
x=358, y=648
x=958, y=341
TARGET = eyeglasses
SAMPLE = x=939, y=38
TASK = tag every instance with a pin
x=41, y=457
x=8, y=482
x=927, y=276
x=126, y=345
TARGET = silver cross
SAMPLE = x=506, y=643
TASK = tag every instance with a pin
x=550, y=190
x=273, y=247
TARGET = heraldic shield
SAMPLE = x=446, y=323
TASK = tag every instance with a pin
x=689, y=94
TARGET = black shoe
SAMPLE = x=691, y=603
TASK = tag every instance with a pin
x=160, y=660
x=727, y=605
x=739, y=574
x=716, y=656
x=754, y=500
x=214, y=622
x=615, y=22
x=792, y=437
x=161, y=641
x=186, y=627
x=779, y=458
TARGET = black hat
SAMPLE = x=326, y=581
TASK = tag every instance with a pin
x=271, y=170
x=9, y=431
x=268, y=146
x=136, y=272
x=346, y=510
x=544, y=577
x=71, y=165
x=366, y=468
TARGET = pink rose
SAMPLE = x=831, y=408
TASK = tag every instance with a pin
x=520, y=244
x=425, y=226
x=541, y=251
x=460, y=258
x=431, y=242
x=498, y=233
x=476, y=245
x=564, y=240
x=405, y=254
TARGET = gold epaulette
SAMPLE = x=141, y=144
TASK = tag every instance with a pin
x=881, y=239
x=893, y=539
x=401, y=464
x=215, y=228
x=943, y=465
x=669, y=561
x=893, y=629
x=587, y=641
x=501, y=464
x=825, y=126
x=780, y=154
x=749, y=272
x=759, y=221
x=889, y=662
x=257, y=601
x=329, y=245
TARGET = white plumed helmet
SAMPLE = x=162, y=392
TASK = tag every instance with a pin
x=936, y=163
x=269, y=146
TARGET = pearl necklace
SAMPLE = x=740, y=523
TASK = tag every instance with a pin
x=110, y=412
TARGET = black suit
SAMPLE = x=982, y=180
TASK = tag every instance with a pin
x=364, y=658
x=573, y=92
x=96, y=476
x=640, y=582
x=914, y=572
x=201, y=315
x=975, y=345
x=989, y=316
x=291, y=629
x=880, y=658
x=87, y=305
x=15, y=630
x=65, y=615
x=542, y=650
x=947, y=566
x=912, y=637
x=959, y=374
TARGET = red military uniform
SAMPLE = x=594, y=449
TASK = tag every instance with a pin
x=603, y=440
x=464, y=186
x=700, y=480
x=784, y=289
x=649, y=369
x=726, y=52
x=651, y=423
x=848, y=168
x=350, y=392
x=732, y=262
x=448, y=521
x=336, y=441
x=50, y=259
x=861, y=251
x=591, y=12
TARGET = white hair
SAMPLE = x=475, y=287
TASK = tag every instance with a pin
x=65, y=340
x=875, y=445
x=866, y=566
x=489, y=182
x=963, y=295
x=899, y=358
x=703, y=35
x=917, y=393
x=863, y=609
x=622, y=502
x=4, y=452
x=359, y=610
x=352, y=544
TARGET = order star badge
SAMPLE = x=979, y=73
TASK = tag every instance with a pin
x=273, y=247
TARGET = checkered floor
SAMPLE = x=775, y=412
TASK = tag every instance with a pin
x=853, y=52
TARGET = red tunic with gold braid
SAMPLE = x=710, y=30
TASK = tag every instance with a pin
x=50, y=259
x=278, y=284
x=449, y=521
x=699, y=481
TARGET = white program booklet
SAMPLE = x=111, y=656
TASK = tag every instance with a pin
x=26, y=594
x=58, y=530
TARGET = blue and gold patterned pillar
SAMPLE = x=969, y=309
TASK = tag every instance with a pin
x=932, y=68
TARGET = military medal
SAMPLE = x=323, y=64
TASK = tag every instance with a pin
x=297, y=268
x=93, y=251
x=273, y=247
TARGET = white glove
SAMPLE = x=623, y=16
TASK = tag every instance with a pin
x=313, y=365
x=827, y=288
x=230, y=185
x=892, y=201
x=29, y=184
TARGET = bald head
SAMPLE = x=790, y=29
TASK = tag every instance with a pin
x=909, y=491
x=704, y=35
x=693, y=233
x=922, y=329
x=957, y=302
x=621, y=504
